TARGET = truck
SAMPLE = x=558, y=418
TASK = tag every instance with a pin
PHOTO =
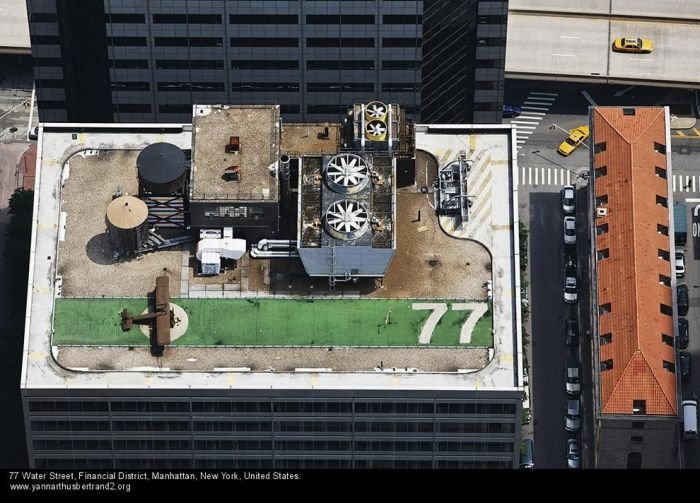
x=680, y=234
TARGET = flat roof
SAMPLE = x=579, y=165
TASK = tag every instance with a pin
x=310, y=138
x=14, y=27
x=551, y=45
x=258, y=130
x=669, y=9
x=628, y=278
x=280, y=339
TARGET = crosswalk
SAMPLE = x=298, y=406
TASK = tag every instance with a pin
x=534, y=108
x=560, y=176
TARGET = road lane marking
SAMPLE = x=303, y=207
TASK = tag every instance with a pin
x=588, y=98
x=529, y=176
x=534, y=108
x=544, y=94
x=564, y=55
x=519, y=126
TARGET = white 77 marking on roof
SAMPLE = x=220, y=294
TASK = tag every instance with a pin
x=478, y=309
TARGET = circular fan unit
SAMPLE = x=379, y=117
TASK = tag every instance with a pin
x=375, y=130
x=347, y=219
x=375, y=110
x=347, y=173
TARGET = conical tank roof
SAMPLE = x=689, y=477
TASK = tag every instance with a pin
x=127, y=212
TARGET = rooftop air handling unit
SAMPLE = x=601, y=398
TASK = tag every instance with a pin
x=375, y=130
x=347, y=174
x=375, y=110
x=347, y=219
x=373, y=127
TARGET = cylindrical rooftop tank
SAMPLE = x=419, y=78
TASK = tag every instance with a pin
x=162, y=169
x=127, y=221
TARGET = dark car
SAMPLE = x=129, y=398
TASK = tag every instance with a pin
x=510, y=111
x=571, y=333
x=682, y=299
x=686, y=366
x=683, y=333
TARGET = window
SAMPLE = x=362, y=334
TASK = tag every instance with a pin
x=45, y=39
x=664, y=255
x=128, y=41
x=339, y=19
x=401, y=65
x=50, y=83
x=265, y=87
x=628, y=111
x=661, y=201
x=191, y=86
x=131, y=86
x=639, y=407
x=186, y=64
x=600, y=147
x=605, y=339
x=606, y=365
x=660, y=172
x=670, y=366
x=285, y=109
x=638, y=425
x=634, y=461
x=174, y=108
x=339, y=42
x=605, y=308
x=601, y=229
x=664, y=280
x=136, y=64
x=338, y=64
x=662, y=229
x=326, y=109
x=48, y=62
x=402, y=19
x=43, y=17
x=492, y=19
x=264, y=42
x=407, y=87
x=667, y=310
x=603, y=254
x=492, y=42
x=334, y=87
x=601, y=171
x=126, y=18
x=667, y=339
x=259, y=64
x=187, y=18
x=263, y=19
x=401, y=42
x=660, y=148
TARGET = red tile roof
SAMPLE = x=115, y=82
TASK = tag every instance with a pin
x=629, y=279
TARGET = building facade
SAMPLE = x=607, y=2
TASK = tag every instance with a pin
x=133, y=61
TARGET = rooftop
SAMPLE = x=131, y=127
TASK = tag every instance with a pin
x=427, y=324
x=258, y=131
x=629, y=291
x=14, y=35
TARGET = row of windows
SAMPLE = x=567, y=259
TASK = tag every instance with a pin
x=250, y=41
x=279, y=426
x=251, y=18
x=312, y=463
x=274, y=87
x=281, y=407
x=250, y=64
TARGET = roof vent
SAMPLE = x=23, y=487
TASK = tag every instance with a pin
x=628, y=111
x=601, y=212
x=347, y=173
x=347, y=219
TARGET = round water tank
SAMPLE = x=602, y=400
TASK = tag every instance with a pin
x=127, y=221
x=162, y=169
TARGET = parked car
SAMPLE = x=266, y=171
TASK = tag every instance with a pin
x=573, y=454
x=576, y=137
x=571, y=333
x=682, y=299
x=573, y=378
x=680, y=264
x=570, y=290
x=526, y=372
x=527, y=454
x=573, y=415
x=34, y=133
x=686, y=366
x=569, y=231
x=510, y=111
x=632, y=44
x=568, y=199
x=683, y=333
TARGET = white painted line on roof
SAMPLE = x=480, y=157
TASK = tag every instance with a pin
x=542, y=98
x=538, y=115
x=535, y=117
x=519, y=126
x=529, y=176
x=567, y=36
x=549, y=176
x=522, y=131
x=535, y=108
x=537, y=176
x=522, y=177
x=692, y=200
x=520, y=141
x=544, y=94
x=588, y=98
x=693, y=183
x=568, y=177
x=564, y=55
x=644, y=60
x=556, y=173
x=516, y=123
x=530, y=102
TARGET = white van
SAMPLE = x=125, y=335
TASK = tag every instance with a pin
x=690, y=419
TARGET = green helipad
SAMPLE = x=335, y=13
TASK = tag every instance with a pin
x=273, y=322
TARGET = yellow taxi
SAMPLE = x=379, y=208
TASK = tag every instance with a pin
x=628, y=44
x=576, y=137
